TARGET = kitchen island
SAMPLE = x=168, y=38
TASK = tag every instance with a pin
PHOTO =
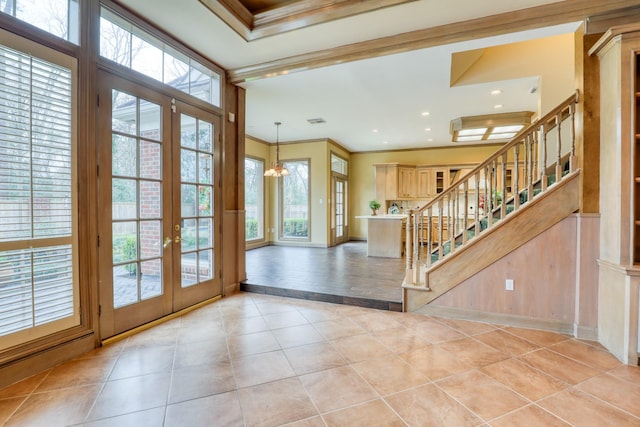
x=385, y=235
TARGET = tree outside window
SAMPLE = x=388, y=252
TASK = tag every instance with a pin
x=254, y=198
x=294, y=200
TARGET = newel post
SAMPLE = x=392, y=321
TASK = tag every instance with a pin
x=408, y=250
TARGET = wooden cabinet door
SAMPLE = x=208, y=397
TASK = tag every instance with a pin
x=424, y=183
x=406, y=182
x=440, y=180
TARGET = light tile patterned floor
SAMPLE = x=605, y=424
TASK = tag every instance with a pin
x=257, y=360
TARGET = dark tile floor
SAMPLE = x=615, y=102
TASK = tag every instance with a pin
x=343, y=274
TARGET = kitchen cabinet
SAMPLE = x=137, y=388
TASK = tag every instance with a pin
x=441, y=180
x=431, y=181
x=395, y=181
x=423, y=179
x=406, y=182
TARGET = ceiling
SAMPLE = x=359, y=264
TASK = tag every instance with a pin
x=370, y=74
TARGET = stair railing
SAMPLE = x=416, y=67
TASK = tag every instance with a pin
x=513, y=175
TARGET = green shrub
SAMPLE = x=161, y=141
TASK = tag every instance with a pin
x=129, y=251
x=296, y=227
x=251, y=229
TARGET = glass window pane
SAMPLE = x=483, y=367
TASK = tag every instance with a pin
x=205, y=200
x=254, y=198
x=150, y=199
x=150, y=160
x=215, y=89
x=200, y=82
x=146, y=58
x=50, y=16
x=125, y=285
x=150, y=239
x=187, y=131
x=187, y=166
x=205, y=265
x=176, y=71
x=125, y=241
x=123, y=198
x=129, y=45
x=37, y=180
x=188, y=200
x=205, y=233
x=205, y=136
x=124, y=156
x=124, y=113
x=52, y=284
x=188, y=267
x=150, y=279
x=339, y=165
x=205, y=168
x=188, y=235
x=115, y=43
x=150, y=120
x=295, y=200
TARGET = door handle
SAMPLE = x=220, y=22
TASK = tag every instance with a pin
x=167, y=242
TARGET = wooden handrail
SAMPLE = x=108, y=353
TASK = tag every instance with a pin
x=529, y=157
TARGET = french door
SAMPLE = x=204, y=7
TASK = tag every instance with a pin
x=157, y=192
x=339, y=219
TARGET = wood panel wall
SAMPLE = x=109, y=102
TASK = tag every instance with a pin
x=233, y=213
x=545, y=273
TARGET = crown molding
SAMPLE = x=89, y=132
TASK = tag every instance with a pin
x=525, y=19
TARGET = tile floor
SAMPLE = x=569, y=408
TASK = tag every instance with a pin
x=260, y=360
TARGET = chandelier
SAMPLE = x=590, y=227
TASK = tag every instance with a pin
x=277, y=169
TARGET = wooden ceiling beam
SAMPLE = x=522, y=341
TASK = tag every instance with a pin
x=525, y=19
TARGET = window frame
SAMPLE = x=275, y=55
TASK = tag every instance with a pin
x=170, y=46
x=342, y=159
x=14, y=344
x=345, y=177
x=76, y=30
x=281, y=198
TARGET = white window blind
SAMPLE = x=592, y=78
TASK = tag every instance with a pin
x=38, y=280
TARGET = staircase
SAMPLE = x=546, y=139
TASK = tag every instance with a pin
x=526, y=187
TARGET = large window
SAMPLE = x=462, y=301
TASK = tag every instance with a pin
x=254, y=198
x=294, y=201
x=57, y=17
x=130, y=46
x=38, y=275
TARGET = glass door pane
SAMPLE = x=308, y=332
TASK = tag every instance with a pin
x=134, y=205
x=136, y=199
x=195, y=136
x=339, y=220
x=339, y=203
x=158, y=226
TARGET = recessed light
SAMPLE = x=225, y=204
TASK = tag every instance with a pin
x=385, y=142
x=496, y=92
x=425, y=113
x=427, y=129
x=497, y=106
x=374, y=130
x=430, y=140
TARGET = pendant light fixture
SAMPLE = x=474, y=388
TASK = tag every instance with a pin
x=277, y=169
